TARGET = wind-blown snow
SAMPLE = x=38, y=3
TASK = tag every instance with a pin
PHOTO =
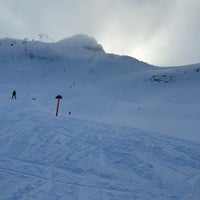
x=133, y=132
x=78, y=46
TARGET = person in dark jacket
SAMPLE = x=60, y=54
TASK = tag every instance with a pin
x=14, y=94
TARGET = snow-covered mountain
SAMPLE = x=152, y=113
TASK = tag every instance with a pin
x=106, y=148
x=103, y=87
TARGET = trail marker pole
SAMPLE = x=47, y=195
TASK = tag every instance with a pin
x=58, y=102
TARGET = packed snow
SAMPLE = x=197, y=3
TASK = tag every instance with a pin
x=132, y=132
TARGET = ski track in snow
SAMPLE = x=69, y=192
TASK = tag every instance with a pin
x=43, y=157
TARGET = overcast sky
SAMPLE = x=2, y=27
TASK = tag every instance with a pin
x=160, y=32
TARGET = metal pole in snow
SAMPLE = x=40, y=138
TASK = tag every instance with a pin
x=58, y=102
x=57, y=107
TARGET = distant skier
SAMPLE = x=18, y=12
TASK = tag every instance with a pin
x=14, y=94
x=69, y=113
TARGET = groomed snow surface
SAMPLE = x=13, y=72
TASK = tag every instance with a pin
x=133, y=132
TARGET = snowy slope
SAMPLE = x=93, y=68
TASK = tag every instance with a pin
x=42, y=157
x=104, y=87
x=107, y=148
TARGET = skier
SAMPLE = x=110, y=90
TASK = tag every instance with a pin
x=14, y=94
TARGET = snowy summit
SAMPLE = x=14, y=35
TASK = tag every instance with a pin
x=79, y=45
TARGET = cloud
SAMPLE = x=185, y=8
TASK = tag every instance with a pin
x=156, y=31
x=183, y=34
